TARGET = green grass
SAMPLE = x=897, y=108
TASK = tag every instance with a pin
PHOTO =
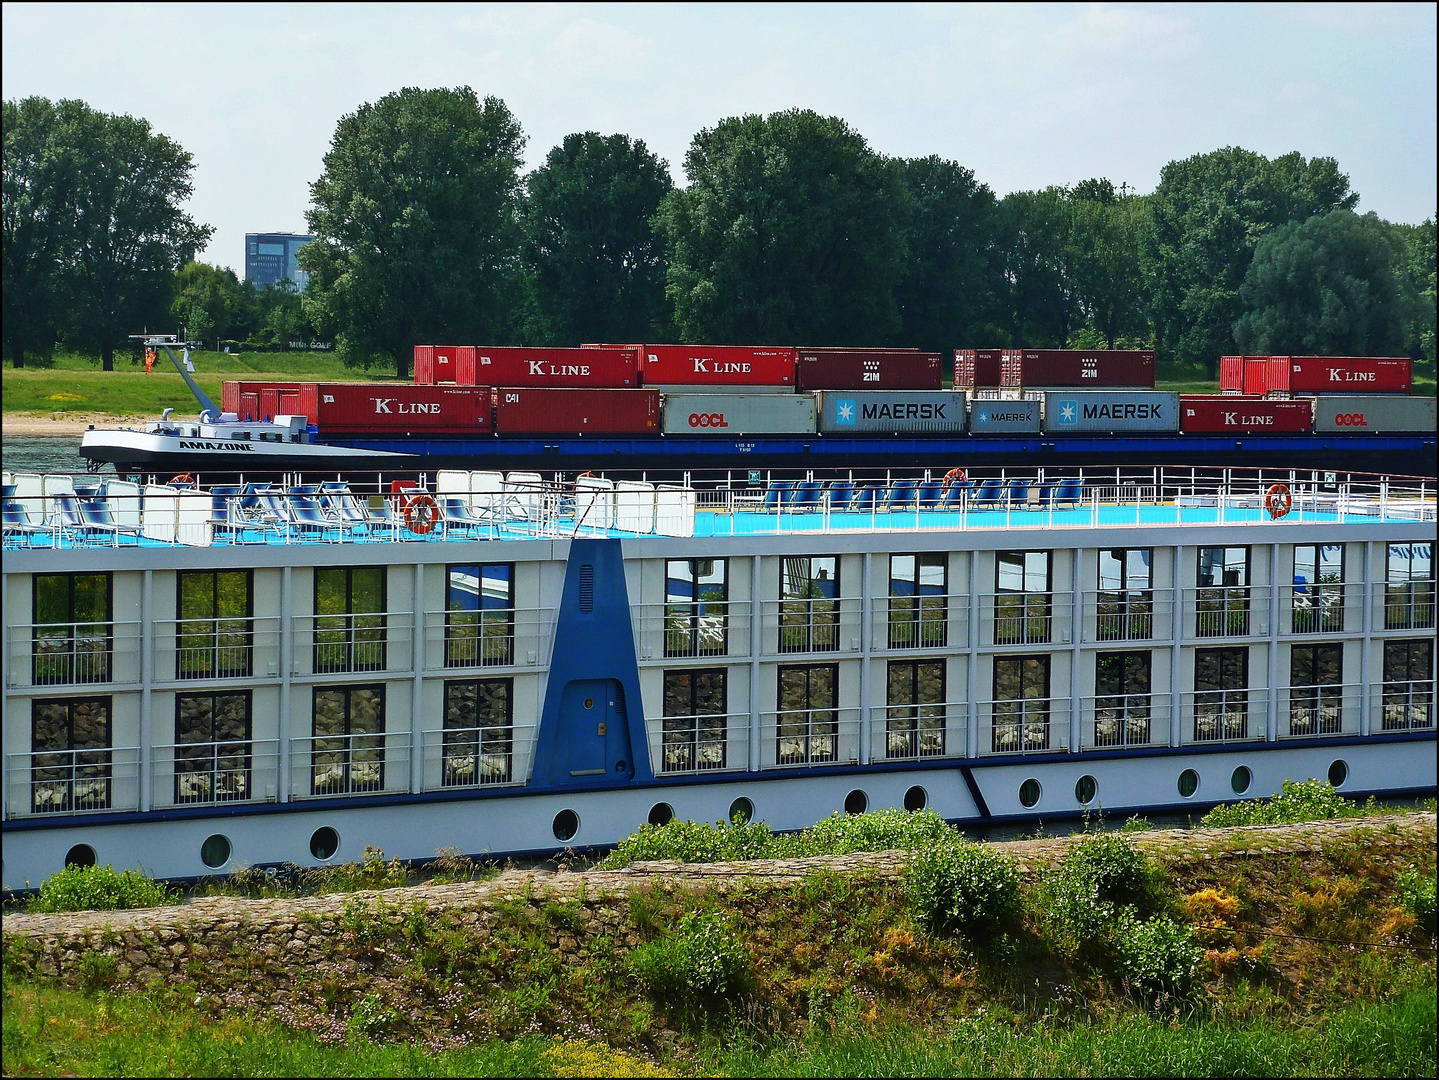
x=75, y=384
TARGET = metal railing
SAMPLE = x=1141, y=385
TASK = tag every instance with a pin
x=1025, y=618
x=1223, y=715
x=487, y=756
x=691, y=629
x=198, y=774
x=1306, y=712
x=1403, y=706
x=74, y=654
x=1023, y=725
x=324, y=766
x=495, y=637
x=1408, y=606
x=802, y=737
x=187, y=649
x=1127, y=614
x=714, y=742
x=355, y=642
x=1124, y=720
x=916, y=732
x=1317, y=607
x=927, y=621
x=73, y=781
x=1221, y=611
x=810, y=626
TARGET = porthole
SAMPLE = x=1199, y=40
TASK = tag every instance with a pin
x=741, y=811
x=80, y=855
x=1188, y=783
x=589, y=703
x=661, y=813
x=324, y=843
x=1241, y=780
x=567, y=823
x=916, y=798
x=1029, y=792
x=856, y=802
x=1085, y=789
x=215, y=851
x=1338, y=773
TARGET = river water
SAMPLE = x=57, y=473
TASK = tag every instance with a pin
x=42, y=453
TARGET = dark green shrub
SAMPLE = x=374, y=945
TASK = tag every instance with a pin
x=703, y=958
x=99, y=888
x=1158, y=959
x=692, y=841
x=1104, y=876
x=879, y=830
x=1307, y=800
x=964, y=889
x=1416, y=896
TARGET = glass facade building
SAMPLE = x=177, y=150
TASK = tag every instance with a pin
x=272, y=257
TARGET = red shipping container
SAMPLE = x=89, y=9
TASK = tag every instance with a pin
x=1231, y=374
x=868, y=369
x=400, y=409
x=424, y=365
x=465, y=365
x=718, y=365
x=527, y=410
x=266, y=400
x=976, y=368
x=1349, y=374
x=1265, y=375
x=1244, y=416
x=1079, y=367
x=445, y=363
x=516, y=365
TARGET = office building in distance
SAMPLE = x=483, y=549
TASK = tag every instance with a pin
x=272, y=257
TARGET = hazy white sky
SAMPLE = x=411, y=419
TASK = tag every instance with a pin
x=1024, y=95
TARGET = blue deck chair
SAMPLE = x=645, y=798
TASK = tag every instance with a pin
x=309, y=518
x=1070, y=492
x=98, y=517
x=866, y=499
x=225, y=513
x=807, y=495
x=955, y=493
x=70, y=517
x=900, y=495
x=778, y=494
x=1017, y=492
x=988, y=496
x=455, y=513
x=930, y=494
x=17, y=524
x=840, y=495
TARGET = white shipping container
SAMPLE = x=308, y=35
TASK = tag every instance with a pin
x=1373, y=413
x=738, y=414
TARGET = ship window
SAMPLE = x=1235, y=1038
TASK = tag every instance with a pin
x=1222, y=598
x=480, y=615
x=348, y=750
x=70, y=763
x=696, y=608
x=661, y=813
x=80, y=855
x=1316, y=693
x=1121, y=699
x=808, y=720
x=856, y=802
x=1241, y=779
x=916, y=798
x=1318, y=595
x=349, y=619
x=1408, y=694
x=324, y=842
x=918, y=599
x=1221, y=695
x=1029, y=793
x=212, y=747
x=1188, y=783
x=566, y=825
x=478, y=745
x=741, y=811
x=1022, y=606
x=215, y=851
x=694, y=725
x=1338, y=773
x=1125, y=604
x=1020, y=709
x=213, y=632
x=72, y=633
x=915, y=717
x=1085, y=789
x=1409, y=587
x=809, y=604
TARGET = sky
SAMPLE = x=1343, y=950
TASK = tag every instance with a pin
x=1025, y=95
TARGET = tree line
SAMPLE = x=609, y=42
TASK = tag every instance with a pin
x=790, y=229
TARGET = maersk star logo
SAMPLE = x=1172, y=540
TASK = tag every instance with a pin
x=1068, y=412
x=844, y=411
x=982, y=418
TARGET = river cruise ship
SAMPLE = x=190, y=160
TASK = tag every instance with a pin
x=200, y=676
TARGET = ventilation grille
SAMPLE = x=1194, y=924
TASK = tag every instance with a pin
x=587, y=587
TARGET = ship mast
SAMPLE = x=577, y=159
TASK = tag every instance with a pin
x=208, y=412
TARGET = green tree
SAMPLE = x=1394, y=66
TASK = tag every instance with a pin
x=1041, y=298
x=1209, y=212
x=130, y=233
x=950, y=281
x=41, y=173
x=1417, y=275
x=596, y=264
x=1329, y=286
x=415, y=225
x=791, y=231
x=210, y=301
x=1106, y=234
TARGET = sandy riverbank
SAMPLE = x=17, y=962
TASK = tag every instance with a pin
x=58, y=424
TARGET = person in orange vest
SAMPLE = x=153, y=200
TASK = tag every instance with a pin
x=149, y=359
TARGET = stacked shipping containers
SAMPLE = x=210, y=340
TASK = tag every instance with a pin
x=868, y=369
x=1260, y=375
x=365, y=408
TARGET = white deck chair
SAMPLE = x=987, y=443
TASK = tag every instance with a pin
x=524, y=495
x=486, y=493
x=53, y=486
x=635, y=506
x=594, y=502
x=30, y=495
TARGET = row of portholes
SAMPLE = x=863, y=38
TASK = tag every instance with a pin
x=215, y=851
x=1240, y=780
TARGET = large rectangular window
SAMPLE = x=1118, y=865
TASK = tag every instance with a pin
x=1122, y=710
x=1316, y=691
x=1318, y=589
x=808, y=714
x=73, y=629
x=349, y=619
x=213, y=633
x=918, y=601
x=915, y=719
x=1408, y=684
x=1125, y=607
x=1222, y=599
x=479, y=736
x=1021, y=704
x=348, y=751
x=1022, y=603
x=70, y=769
x=696, y=607
x=1221, y=694
x=1409, y=587
x=480, y=615
x=212, y=747
x=809, y=604
x=694, y=726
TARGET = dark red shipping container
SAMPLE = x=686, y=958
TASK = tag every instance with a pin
x=1266, y=374
x=527, y=410
x=1348, y=374
x=1231, y=374
x=517, y=365
x=1078, y=367
x=399, y=409
x=445, y=359
x=1244, y=415
x=718, y=365
x=976, y=368
x=465, y=365
x=267, y=400
x=424, y=372
x=868, y=369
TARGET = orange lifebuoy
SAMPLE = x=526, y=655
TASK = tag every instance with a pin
x=1278, y=501
x=183, y=478
x=954, y=476
x=421, y=513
